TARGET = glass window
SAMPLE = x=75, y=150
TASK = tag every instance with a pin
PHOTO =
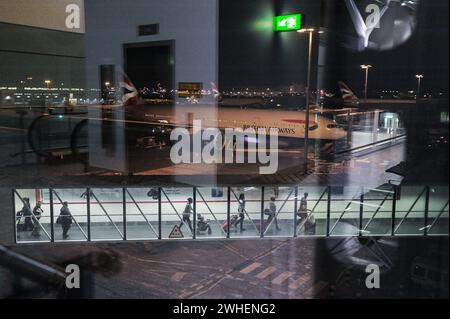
x=311, y=218
x=211, y=209
x=279, y=204
x=142, y=213
x=32, y=211
x=344, y=214
x=107, y=214
x=177, y=213
x=377, y=216
x=70, y=214
x=245, y=212
x=410, y=210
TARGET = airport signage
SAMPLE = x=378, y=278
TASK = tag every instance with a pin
x=290, y=22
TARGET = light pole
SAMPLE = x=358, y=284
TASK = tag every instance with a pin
x=307, y=89
x=366, y=67
x=48, y=82
x=419, y=78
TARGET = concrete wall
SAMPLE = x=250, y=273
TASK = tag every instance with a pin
x=191, y=23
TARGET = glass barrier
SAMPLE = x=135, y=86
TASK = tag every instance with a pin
x=279, y=208
x=438, y=210
x=211, y=212
x=345, y=211
x=245, y=212
x=312, y=203
x=32, y=216
x=70, y=214
x=152, y=213
x=410, y=210
x=141, y=213
x=106, y=214
x=377, y=216
x=177, y=213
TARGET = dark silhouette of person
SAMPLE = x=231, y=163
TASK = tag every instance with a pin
x=241, y=212
x=187, y=214
x=272, y=212
x=26, y=212
x=37, y=212
x=65, y=219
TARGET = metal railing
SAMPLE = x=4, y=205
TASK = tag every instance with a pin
x=324, y=225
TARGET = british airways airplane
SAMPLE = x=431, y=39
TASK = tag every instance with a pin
x=290, y=124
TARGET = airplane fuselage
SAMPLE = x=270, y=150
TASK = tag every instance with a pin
x=288, y=123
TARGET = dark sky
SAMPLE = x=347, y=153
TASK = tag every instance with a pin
x=251, y=54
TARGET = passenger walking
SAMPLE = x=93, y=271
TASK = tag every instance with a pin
x=26, y=212
x=305, y=215
x=272, y=212
x=65, y=219
x=187, y=214
x=37, y=212
x=241, y=212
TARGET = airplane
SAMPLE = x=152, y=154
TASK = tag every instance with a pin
x=351, y=100
x=290, y=124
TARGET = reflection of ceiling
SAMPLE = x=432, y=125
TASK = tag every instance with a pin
x=48, y=14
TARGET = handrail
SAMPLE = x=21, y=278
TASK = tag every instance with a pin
x=343, y=213
x=107, y=215
x=377, y=210
x=142, y=213
x=410, y=209
x=311, y=212
x=30, y=268
x=76, y=223
x=279, y=210
x=438, y=216
x=176, y=212
x=32, y=216
x=204, y=201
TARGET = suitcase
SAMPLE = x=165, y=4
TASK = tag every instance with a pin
x=233, y=220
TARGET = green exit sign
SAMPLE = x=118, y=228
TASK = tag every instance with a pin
x=290, y=22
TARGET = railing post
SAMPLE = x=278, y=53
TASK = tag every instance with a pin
x=261, y=223
x=228, y=210
x=88, y=212
x=13, y=195
x=427, y=206
x=124, y=212
x=295, y=211
x=394, y=208
x=361, y=211
x=194, y=227
x=52, y=216
x=328, y=210
x=159, y=215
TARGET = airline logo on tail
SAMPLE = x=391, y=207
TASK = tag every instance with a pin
x=215, y=92
x=347, y=94
x=131, y=94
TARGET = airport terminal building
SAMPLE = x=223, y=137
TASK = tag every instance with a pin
x=91, y=90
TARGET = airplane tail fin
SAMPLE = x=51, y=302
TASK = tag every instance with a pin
x=347, y=94
x=215, y=91
x=130, y=94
